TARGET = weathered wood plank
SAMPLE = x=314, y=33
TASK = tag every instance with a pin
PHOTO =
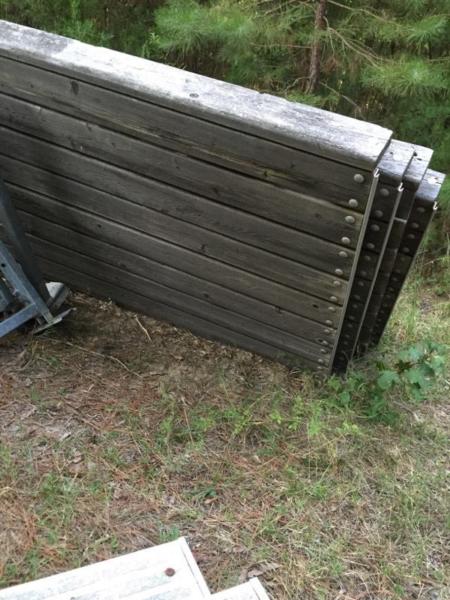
x=336, y=358
x=281, y=297
x=197, y=324
x=418, y=167
x=393, y=168
x=156, y=292
x=395, y=162
x=250, y=590
x=173, y=203
x=304, y=127
x=235, y=150
x=45, y=231
x=413, y=178
x=355, y=314
x=425, y=198
x=129, y=574
x=175, y=169
x=139, y=219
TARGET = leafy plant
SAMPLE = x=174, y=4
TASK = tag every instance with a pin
x=412, y=372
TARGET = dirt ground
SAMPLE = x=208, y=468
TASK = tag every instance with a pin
x=118, y=432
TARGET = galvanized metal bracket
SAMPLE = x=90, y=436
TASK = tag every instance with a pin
x=24, y=295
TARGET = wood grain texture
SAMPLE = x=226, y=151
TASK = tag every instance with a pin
x=181, y=318
x=177, y=170
x=173, y=298
x=418, y=167
x=43, y=231
x=258, y=157
x=395, y=162
x=141, y=572
x=171, y=203
x=295, y=125
x=282, y=298
x=247, y=258
x=413, y=178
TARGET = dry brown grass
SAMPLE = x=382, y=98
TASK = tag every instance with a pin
x=117, y=433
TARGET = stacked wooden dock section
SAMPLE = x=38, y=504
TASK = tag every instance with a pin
x=274, y=226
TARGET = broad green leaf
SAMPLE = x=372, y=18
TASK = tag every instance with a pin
x=387, y=379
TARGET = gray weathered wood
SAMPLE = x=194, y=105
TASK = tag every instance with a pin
x=174, y=169
x=171, y=203
x=141, y=572
x=425, y=198
x=316, y=131
x=354, y=317
x=413, y=178
x=343, y=320
x=393, y=168
x=250, y=590
x=395, y=162
x=418, y=167
x=138, y=219
x=45, y=231
x=181, y=318
x=235, y=150
x=163, y=295
x=281, y=297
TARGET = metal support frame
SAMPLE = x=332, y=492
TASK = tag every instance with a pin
x=24, y=295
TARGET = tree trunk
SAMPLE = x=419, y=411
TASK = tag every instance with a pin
x=314, y=65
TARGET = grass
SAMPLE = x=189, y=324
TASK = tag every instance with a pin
x=111, y=442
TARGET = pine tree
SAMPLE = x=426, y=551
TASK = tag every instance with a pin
x=387, y=61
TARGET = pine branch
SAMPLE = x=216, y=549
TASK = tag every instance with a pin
x=357, y=48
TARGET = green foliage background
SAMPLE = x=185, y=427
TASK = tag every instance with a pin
x=387, y=61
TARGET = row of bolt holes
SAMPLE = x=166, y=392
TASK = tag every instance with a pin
x=378, y=213
x=345, y=240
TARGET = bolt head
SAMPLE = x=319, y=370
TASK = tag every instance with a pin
x=345, y=240
x=343, y=254
x=333, y=299
x=358, y=178
x=378, y=214
x=414, y=225
x=353, y=203
x=328, y=322
x=350, y=219
x=337, y=283
x=339, y=272
x=370, y=246
x=384, y=192
x=375, y=227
